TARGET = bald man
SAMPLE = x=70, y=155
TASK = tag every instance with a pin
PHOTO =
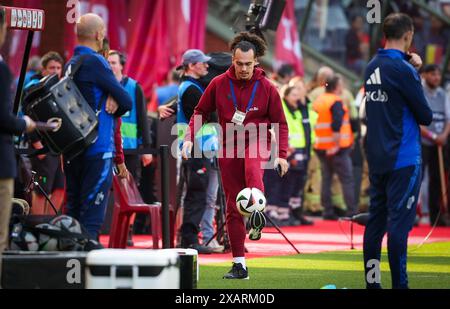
x=89, y=176
x=323, y=74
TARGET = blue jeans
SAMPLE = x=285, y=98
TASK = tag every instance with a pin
x=206, y=225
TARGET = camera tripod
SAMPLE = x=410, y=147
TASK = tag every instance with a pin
x=221, y=234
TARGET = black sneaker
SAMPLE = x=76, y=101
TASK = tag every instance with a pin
x=92, y=245
x=237, y=272
x=331, y=217
x=339, y=211
x=305, y=221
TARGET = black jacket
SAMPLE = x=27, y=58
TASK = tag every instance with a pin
x=9, y=125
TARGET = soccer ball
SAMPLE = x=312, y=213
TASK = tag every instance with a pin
x=68, y=224
x=26, y=241
x=46, y=242
x=250, y=200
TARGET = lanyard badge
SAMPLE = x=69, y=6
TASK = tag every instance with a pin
x=239, y=117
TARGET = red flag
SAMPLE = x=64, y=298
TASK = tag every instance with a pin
x=186, y=25
x=178, y=28
x=288, y=46
x=153, y=33
x=158, y=39
x=113, y=12
x=197, y=24
x=148, y=53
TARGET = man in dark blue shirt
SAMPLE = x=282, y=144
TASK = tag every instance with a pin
x=395, y=107
x=9, y=126
x=89, y=176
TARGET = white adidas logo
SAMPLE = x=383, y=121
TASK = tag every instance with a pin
x=378, y=95
x=375, y=78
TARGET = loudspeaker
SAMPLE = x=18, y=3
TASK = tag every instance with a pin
x=61, y=101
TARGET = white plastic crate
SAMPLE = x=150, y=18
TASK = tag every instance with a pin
x=189, y=267
x=132, y=269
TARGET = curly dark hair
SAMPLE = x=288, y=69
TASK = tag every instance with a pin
x=246, y=41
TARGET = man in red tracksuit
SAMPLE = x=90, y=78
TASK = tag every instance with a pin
x=242, y=96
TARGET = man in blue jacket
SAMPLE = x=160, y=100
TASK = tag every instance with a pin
x=396, y=106
x=89, y=176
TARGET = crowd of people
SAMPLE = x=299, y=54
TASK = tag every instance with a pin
x=344, y=21
x=321, y=139
x=312, y=164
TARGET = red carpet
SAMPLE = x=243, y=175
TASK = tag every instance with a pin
x=323, y=236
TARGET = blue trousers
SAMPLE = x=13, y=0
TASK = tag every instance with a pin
x=88, y=183
x=393, y=202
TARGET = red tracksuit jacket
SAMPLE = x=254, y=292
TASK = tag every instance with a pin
x=266, y=108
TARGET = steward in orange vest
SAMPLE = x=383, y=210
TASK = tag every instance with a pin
x=333, y=128
x=334, y=141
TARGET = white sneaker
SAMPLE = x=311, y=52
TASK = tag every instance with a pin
x=215, y=246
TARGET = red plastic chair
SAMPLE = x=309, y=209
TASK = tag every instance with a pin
x=128, y=201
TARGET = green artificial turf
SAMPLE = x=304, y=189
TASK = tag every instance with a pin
x=428, y=268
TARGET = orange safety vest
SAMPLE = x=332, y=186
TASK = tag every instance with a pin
x=324, y=133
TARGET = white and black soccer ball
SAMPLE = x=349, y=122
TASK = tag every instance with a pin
x=26, y=241
x=68, y=224
x=47, y=242
x=250, y=200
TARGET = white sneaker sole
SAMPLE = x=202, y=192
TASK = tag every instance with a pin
x=255, y=234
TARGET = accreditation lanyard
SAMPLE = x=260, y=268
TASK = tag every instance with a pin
x=239, y=117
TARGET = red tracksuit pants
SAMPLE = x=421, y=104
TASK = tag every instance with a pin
x=238, y=174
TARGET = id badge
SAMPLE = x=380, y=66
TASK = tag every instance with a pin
x=239, y=118
x=299, y=157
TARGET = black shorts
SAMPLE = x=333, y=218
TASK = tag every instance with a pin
x=49, y=173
